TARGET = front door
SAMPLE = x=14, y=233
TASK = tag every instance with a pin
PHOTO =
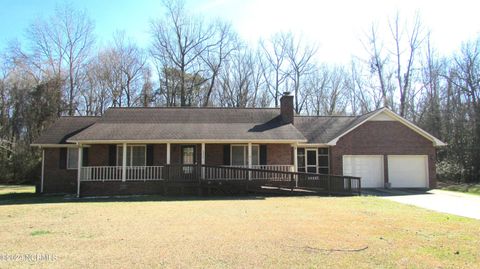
x=188, y=158
x=311, y=160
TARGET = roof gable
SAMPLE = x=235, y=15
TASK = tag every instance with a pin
x=386, y=114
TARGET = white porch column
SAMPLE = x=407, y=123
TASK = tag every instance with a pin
x=295, y=162
x=43, y=171
x=79, y=168
x=203, y=160
x=249, y=160
x=249, y=155
x=168, y=153
x=124, y=162
x=295, y=158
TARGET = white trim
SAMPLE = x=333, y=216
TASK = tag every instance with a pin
x=58, y=145
x=131, y=154
x=42, y=177
x=168, y=153
x=436, y=141
x=245, y=152
x=295, y=158
x=79, y=168
x=124, y=161
x=189, y=141
x=202, y=161
x=313, y=145
x=68, y=159
x=295, y=163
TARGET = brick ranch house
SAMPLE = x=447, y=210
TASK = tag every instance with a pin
x=125, y=150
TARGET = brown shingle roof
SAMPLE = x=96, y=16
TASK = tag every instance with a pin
x=189, y=124
x=63, y=128
x=323, y=129
x=197, y=124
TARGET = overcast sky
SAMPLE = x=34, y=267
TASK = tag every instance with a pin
x=336, y=26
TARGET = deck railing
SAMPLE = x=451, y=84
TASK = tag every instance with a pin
x=264, y=174
x=115, y=173
x=200, y=174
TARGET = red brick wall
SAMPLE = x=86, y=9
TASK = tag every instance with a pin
x=98, y=155
x=279, y=154
x=58, y=180
x=159, y=154
x=214, y=154
x=383, y=138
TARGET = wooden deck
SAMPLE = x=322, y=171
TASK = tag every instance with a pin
x=218, y=180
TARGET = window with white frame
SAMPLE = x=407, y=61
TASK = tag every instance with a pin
x=136, y=155
x=323, y=162
x=239, y=155
x=72, y=158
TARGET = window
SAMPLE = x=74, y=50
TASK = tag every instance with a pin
x=311, y=155
x=188, y=155
x=136, y=155
x=323, y=167
x=240, y=155
x=72, y=158
x=313, y=160
x=301, y=159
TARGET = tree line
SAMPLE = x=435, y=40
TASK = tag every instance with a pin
x=60, y=69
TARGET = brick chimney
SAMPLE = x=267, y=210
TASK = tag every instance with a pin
x=286, y=108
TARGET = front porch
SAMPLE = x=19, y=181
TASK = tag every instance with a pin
x=205, y=179
x=135, y=168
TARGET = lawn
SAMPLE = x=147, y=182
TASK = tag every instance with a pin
x=274, y=232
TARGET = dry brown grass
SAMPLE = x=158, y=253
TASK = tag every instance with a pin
x=245, y=232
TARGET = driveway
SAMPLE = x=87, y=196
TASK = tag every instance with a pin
x=461, y=204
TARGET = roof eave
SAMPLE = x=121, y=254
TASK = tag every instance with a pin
x=436, y=142
x=211, y=141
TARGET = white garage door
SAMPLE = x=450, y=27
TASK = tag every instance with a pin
x=408, y=171
x=368, y=167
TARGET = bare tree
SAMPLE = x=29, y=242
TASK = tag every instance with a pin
x=179, y=41
x=60, y=47
x=274, y=63
x=300, y=57
x=132, y=62
x=226, y=43
x=467, y=79
x=378, y=62
x=404, y=68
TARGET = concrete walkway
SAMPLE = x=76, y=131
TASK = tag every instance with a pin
x=456, y=203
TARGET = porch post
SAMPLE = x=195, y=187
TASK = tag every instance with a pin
x=295, y=160
x=42, y=177
x=249, y=160
x=203, y=160
x=79, y=168
x=168, y=153
x=295, y=163
x=124, y=162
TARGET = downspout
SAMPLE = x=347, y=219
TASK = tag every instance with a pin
x=42, y=176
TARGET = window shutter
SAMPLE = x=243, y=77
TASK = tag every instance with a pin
x=263, y=154
x=112, y=155
x=62, y=160
x=150, y=155
x=226, y=154
x=85, y=157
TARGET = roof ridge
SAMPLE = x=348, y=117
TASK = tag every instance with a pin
x=325, y=116
x=195, y=107
x=80, y=116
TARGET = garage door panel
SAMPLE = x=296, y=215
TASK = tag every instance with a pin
x=368, y=167
x=408, y=171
